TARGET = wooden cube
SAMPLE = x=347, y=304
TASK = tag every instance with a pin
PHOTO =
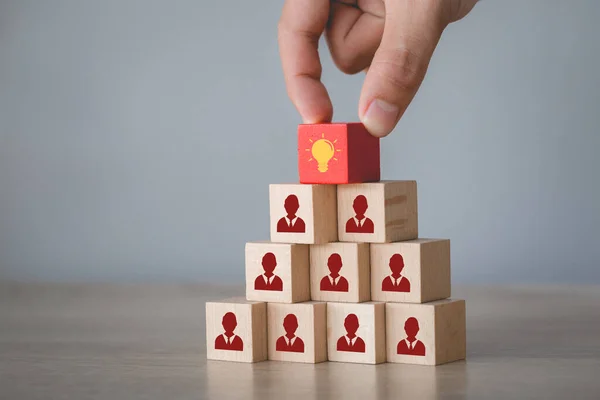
x=277, y=272
x=356, y=332
x=303, y=213
x=297, y=332
x=337, y=153
x=236, y=330
x=415, y=271
x=430, y=333
x=340, y=272
x=379, y=212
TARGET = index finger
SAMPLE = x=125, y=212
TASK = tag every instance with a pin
x=300, y=27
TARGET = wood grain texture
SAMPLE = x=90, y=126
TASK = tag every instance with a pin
x=317, y=209
x=371, y=331
x=392, y=208
x=426, y=271
x=292, y=268
x=106, y=342
x=451, y=331
x=251, y=320
x=355, y=272
x=436, y=281
x=310, y=330
x=401, y=211
x=441, y=331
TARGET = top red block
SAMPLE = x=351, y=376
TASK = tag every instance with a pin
x=337, y=154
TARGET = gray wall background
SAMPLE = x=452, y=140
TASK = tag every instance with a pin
x=138, y=139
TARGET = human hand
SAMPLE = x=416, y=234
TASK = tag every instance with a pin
x=392, y=40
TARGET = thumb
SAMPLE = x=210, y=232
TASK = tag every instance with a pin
x=412, y=31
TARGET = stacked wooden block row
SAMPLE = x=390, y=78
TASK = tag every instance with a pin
x=344, y=276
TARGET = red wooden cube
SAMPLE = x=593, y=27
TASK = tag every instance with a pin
x=337, y=154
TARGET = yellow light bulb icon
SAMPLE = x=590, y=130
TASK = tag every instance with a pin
x=323, y=151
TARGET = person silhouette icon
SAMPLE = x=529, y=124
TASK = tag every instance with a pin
x=360, y=223
x=229, y=340
x=411, y=346
x=334, y=282
x=291, y=222
x=290, y=342
x=350, y=341
x=268, y=280
x=396, y=282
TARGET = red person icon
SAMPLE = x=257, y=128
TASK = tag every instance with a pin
x=291, y=222
x=411, y=346
x=268, y=280
x=396, y=282
x=360, y=223
x=351, y=342
x=229, y=340
x=289, y=341
x=334, y=282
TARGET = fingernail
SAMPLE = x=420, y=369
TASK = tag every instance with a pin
x=381, y=117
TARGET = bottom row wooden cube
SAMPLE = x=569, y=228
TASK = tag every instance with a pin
x=297, y=332
x=236, y=330
x=356, y=332
x=311, y=332
x=429, y=333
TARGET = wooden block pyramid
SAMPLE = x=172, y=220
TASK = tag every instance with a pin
x=344, y=277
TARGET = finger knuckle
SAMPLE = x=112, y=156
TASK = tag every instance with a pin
x=400, y=67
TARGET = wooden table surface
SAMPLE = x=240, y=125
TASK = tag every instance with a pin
x=148, y=342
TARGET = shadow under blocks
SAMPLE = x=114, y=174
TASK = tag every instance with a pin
x=344, y=276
